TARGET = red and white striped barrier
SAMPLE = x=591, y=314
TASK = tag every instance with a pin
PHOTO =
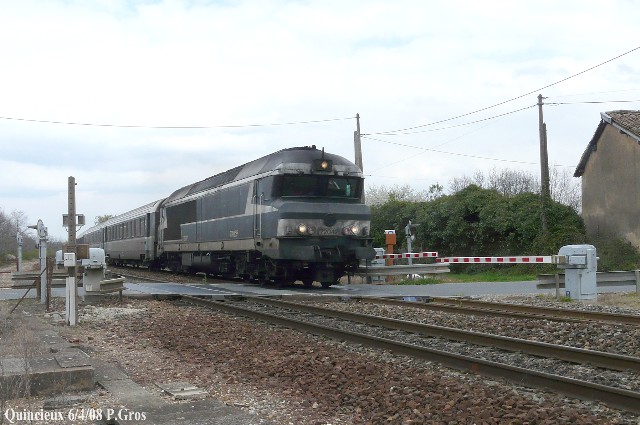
x=544, y=259
x=407, y=255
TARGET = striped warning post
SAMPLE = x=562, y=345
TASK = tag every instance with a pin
x=531, y=259
x=407, y=255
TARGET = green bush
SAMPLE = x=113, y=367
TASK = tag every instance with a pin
x=615, y=253
x=481, y=222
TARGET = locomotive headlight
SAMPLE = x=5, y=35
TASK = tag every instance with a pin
x=352, y=230
x=322, y=164
x=302, y=229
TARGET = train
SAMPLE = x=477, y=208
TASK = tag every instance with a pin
x=294, y=215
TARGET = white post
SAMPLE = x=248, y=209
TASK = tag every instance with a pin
x=43, y=267
x=70, y=294
x=70, y=301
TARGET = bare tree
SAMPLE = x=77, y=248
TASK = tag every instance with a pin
x=564, y=188
x=378, y=195
x=511, y=182
x=10, y=226
x=7, y=234
x=102, y=218
x=458, y=183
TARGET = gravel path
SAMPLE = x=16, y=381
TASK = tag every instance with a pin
x=290, y=377
x=627, y=380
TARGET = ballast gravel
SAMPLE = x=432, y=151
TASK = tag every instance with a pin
x=289, y=377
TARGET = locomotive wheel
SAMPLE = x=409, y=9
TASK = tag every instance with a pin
x=326, y=284
x=308, y=282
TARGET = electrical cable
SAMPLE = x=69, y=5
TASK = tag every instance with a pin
x=393, y=133
x=462, y=154
x=517, y=97
x=591, y=93
x=591, y=102
x=185, y=127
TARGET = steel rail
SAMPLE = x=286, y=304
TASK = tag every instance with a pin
x=615, y=397
x=451, y=305
x=431, y=306
x=627, y=319
x=571, y=354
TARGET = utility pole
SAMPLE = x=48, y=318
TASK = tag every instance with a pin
x=70, y=257
x=358, y=149
x=357, y=143
x=19, y=259
x=545, y=191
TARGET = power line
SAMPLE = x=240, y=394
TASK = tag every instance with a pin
x=591, y=102
x=185, y=127
x=397, y=133
x=520, y=96
x=436, y=146
x=462, y=154
x=591, y=93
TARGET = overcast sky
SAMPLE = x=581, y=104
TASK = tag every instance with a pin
x=229, y=67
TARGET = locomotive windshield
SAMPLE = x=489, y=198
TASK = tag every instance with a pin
x=319, y=186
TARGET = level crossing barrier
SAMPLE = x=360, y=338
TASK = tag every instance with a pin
x=579, y=262
x=407, y=255
x=530, y=259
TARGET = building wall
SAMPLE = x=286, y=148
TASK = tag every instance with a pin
x=611, y=187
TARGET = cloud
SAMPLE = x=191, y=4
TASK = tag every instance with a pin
x=199, y=63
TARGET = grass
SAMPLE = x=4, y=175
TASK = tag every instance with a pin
x=629, y=300
x=488, y=276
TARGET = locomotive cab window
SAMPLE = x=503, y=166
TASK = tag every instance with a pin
x=318, y=186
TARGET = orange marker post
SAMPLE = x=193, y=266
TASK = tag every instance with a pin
x=390, y=239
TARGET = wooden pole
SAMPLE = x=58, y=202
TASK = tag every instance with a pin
x=545, y=192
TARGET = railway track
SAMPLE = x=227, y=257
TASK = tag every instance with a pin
x=561, y=352
x=485, y=308
x=416, y=340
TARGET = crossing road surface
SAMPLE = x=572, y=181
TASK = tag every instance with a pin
x=232, y=288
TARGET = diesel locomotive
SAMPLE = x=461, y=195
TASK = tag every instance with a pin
x=294, y=215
